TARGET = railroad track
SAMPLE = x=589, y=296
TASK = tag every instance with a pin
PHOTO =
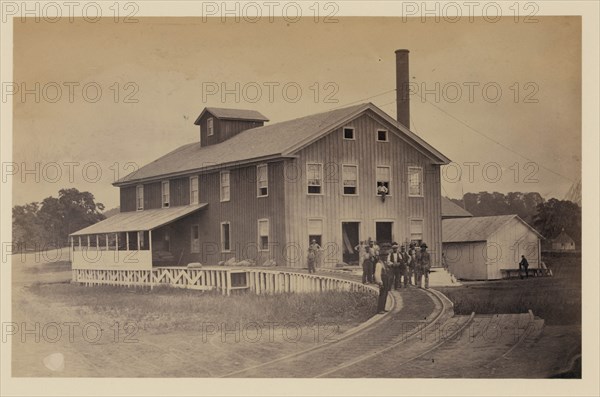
x=396, y=328
x=401, y=345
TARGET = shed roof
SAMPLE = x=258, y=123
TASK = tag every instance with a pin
x=233, y=114
x=451, y=210
x=271, y=141
x=132, y=221
x=477, y=228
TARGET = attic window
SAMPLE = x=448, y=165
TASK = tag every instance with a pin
x=349, y=133
x=382, y=135
x=209, y=127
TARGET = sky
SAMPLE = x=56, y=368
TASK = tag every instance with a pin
x=501, y=100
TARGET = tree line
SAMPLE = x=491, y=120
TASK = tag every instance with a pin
x=48, y=223
x=548, y=217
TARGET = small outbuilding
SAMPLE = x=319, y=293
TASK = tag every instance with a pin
x=450, y=210
x=488, y=247
x=563, y=242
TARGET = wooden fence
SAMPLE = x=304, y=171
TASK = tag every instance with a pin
x=226, y=280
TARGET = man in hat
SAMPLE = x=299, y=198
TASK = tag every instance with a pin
x=368, y=263
x=382, y=278
x=394, y=259
x=404, y=262
x=412, y=263
x=313, y=250
x=424, y=265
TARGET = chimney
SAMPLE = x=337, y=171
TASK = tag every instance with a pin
x=402, y=88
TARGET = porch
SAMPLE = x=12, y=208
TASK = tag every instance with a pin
x=128, y=241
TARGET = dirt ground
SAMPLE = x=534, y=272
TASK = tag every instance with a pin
x=48, y=332
x=54, y=337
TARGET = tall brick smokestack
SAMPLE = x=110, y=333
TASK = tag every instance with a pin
x=402, y=88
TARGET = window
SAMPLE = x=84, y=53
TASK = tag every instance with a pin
x=262, y=180
x=209, y=126
x=139, y=197
x=263, y=234
x=349, y=133
x=383, y=180
x=225, y=186
x=415, y=181
x=382, y=135
x=315, y=230
x=350, y=179
x=225, y=237
x=165, y=194
x=314, y=176
x=195, y=239
x=194, y=197
x=416, y=230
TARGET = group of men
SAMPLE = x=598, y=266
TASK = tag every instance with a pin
x=395, y=269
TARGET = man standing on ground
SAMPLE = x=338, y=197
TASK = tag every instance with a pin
x=424, y=265
x=382, y=278
x=404, y=269
x=524, y=265
x=394, y=260
x=313, y=250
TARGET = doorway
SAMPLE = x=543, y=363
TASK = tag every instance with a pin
x=349, y=241
x=383, y=232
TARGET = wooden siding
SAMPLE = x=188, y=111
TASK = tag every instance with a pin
x=242, y=211
x=467, y=260
x=506, y=246
x=127, y=199
x=223, y=129
x=179, y=191
x=152, y=195
x=367, y=208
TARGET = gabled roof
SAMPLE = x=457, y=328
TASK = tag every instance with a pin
x=135, y=221
x=233, y=114
x=563, y=238
x=451, y=210
x=268, y=142
x=477, y=228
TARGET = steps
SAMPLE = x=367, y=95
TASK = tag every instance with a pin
x=440, y=277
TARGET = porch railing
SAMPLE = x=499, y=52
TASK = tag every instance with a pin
x=225, y=280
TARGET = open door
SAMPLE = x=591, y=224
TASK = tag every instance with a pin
x=350, y=240
x=383, y=233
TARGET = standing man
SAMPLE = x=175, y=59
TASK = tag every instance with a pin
x=394, y=259
x=313, y=250
x=524, y=265
x=361, y=248
x=412, y=264
x=424, y=265
x=368, y=263
x=382, y=278
x=404, y=269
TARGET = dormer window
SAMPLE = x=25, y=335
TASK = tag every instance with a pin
x=210, y=127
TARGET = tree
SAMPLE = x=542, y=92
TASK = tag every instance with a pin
x=554, y=215
x=54, y=219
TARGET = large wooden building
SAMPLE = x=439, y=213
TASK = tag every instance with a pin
x=262, y=192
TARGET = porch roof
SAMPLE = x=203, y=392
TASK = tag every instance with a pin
x=133, y=221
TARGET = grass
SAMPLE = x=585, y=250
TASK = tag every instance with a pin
x=555, y=299
x=166, y=309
